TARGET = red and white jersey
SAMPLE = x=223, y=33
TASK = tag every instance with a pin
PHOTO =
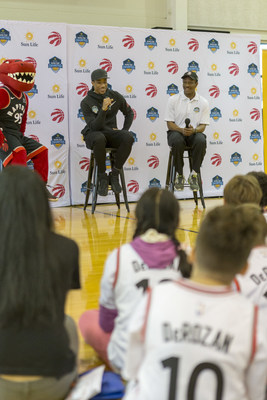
x=191, y=341
x=254, y=283
x=125, y=279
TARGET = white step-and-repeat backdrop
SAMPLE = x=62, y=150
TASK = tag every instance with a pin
x=145, y=66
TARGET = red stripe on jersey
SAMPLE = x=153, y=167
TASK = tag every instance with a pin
x=254, y=333
x=205, y=289
x=117, y=268
x=36, y=152
x=236, y=283
x=143, y=331
x=7, y=160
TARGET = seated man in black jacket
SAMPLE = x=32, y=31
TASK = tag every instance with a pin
x=100, y=107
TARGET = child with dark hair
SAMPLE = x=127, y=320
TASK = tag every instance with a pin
x=199, y=338
x=152, y=256
x=38, y=342
x=262, y=180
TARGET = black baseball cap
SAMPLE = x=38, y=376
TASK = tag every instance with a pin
x=191, y=74
x=99, y=74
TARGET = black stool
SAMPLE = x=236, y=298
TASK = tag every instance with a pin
x=92, y=181
x=170, y=177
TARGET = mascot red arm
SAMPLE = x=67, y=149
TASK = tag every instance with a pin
x=18, y=77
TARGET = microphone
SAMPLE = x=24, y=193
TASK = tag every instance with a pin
x=109, y=107
x=187, y=122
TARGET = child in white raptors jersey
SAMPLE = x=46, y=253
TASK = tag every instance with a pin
x=153, y=255
x=253, y=284
x=198, y=339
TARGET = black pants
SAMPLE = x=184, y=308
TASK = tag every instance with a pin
x=178, y=142
x=120, y=139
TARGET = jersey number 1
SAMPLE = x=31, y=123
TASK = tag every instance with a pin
x=173, y=364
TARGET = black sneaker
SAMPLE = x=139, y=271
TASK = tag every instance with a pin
x=102, y=189
x=192, y=180
x=115, y=184
x=179, y=182
x=50, y=196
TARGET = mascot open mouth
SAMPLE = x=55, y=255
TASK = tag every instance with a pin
x=17, y=74
x=26, y=77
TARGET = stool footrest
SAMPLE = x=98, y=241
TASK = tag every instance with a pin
x=92, y=182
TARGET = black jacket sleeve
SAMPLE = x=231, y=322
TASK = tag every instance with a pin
x=95, y=122
x=127, y=112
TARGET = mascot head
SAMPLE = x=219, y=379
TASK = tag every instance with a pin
x=17, y=74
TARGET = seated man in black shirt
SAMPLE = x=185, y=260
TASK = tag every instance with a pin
x=100, y=107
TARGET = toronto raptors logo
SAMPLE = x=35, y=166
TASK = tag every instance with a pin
x=57, y=115
x=193, y=44
x=82, y=89
x=252, y=47
x=106, y=64
x=54, y=38
x=58, y=190
x=84, y=163
x=172, y=67
x=236, y=137
x=133, y=186
x=153, y=162
x=216, y=159
x=214, y=91
x=151, y=90
x=128, y=41
x=233, y=69
x=255, y=114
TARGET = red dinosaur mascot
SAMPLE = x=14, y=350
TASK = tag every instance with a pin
x=15, y=148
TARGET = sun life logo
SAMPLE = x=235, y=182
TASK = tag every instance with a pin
x=32, y=114
x=129, y=89
x=56, y=88
x=152, y=136
x=58, y=164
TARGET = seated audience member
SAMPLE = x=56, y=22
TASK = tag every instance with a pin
x=253, y=284
x=152, y=256
x=38, y=342
x=198, y=338
x=242, y=189
x=262, y=180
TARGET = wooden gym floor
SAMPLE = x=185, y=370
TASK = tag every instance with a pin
x=97, y=235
